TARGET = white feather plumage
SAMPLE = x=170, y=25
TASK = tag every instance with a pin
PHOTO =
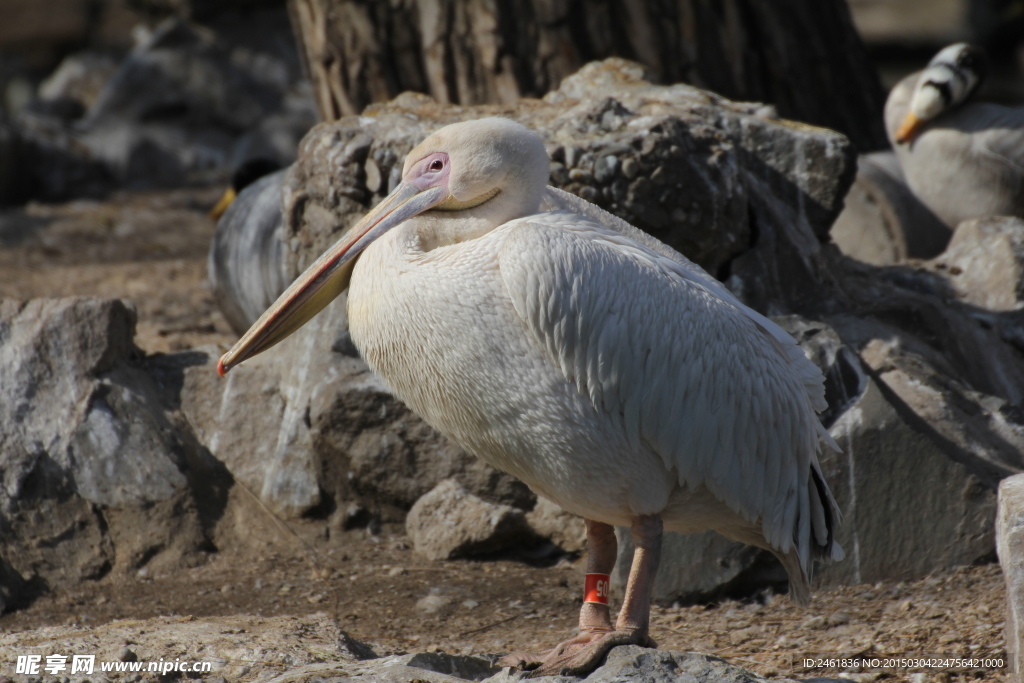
x=675, y=375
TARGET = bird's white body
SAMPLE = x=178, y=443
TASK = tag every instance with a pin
x=609, y=377
x=566, y=347
x=966, y=163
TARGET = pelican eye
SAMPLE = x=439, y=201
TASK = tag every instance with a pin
x=436, y=165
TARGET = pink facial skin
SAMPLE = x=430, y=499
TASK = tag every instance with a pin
x=430, y=171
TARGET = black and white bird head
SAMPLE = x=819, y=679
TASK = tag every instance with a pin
x=950, y=78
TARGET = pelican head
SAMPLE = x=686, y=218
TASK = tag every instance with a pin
x=462, y=181
x=948, y=80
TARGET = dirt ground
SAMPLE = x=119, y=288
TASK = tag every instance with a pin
x=151, y=249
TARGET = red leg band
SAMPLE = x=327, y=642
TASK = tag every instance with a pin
x=597, y=588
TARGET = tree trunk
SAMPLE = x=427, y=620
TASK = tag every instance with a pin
x=803, y=56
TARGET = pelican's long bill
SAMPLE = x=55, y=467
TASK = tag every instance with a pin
x=330, y=274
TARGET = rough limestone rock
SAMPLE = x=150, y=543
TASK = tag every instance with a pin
x=985, y=433
x=451, y=522
x=564, y=529
x=883, y=222
x=633, y=663
x=985, y=262
x=895, y=465
x=1010, y=544
x=908, y=509
x=95, y=476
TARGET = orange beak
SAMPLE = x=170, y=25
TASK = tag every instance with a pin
x=223, y=203
x=910, y=127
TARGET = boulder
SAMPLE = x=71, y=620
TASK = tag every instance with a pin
x=897, y=464
x=883, y=222
x=985, y=262
x=564, y=529
x=1010, y=545
x=451, y=522
x=908, y=509
x=984, y=433
x=95, y=476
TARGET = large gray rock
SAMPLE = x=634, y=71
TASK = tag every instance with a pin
x=95, y=477
x=633, y=664
x=908, y=509
x=1010, y=545
x=911, y=505
x=564, y=529
x=624, y=664
x=450, y=522
x=985, y=433
x=985, y=262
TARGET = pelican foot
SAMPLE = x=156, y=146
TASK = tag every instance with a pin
x=577, y=656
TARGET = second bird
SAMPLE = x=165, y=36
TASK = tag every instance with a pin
x=962, y=159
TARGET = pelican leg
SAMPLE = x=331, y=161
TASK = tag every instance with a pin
x=602, y=549
x=580, y=655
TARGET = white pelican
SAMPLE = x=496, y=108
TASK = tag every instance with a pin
x=246, y=265
x=962, y=160
x=570, y=349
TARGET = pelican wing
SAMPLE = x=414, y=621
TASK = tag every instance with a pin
x=725, y=397
x=814, y=383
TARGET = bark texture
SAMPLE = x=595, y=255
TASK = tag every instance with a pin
x=803, y=56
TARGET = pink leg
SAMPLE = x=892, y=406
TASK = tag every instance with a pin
x=602, y=548
x=635, y=614
x=581, y=655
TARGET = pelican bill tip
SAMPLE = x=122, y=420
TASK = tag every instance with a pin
x=221, y=369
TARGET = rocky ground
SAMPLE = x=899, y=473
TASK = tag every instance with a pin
x=151, y=249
